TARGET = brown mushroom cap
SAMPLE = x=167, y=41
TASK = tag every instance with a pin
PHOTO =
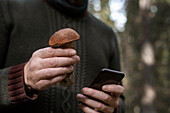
x=63, y=36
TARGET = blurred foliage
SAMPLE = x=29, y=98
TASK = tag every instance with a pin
x=153, y=26
x=103, y=13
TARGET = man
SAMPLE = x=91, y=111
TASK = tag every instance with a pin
x=30, y=70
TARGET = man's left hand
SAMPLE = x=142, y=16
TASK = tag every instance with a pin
x=103, y=102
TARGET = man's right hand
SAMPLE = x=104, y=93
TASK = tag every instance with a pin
x=48, y=66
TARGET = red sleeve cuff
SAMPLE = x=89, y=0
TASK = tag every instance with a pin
x=16, y=85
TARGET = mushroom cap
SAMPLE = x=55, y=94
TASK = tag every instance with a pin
x=63, y=36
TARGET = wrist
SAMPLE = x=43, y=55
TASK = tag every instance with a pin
x=16, y=85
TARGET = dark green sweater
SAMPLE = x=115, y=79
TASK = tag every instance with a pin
x=25, y=26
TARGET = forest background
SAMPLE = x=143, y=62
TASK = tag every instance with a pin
x=143, y=31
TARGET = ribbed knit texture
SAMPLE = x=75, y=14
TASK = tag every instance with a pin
x=16, y=85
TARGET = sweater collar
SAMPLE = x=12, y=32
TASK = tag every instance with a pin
x=68, y=9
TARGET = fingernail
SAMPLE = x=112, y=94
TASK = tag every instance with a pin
x=72, y=52
x=84, y=90
x=80, y=96
x=77, y=58
x=104, y=88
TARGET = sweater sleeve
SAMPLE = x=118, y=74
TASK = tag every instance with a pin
x=17, y=89
x=12, y=87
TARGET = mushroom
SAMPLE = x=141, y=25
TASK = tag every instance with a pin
x=64, y=38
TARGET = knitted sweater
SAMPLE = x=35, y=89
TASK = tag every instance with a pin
x=25, y=26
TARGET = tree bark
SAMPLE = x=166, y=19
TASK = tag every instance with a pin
x=147, y=54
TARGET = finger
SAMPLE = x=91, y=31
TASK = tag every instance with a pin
x=95, y=104
x=53, y=52
x=49, y=73
x=113, y=89
x=87, y=109
x=100, y=95
x=59, y=61
x=43, y=84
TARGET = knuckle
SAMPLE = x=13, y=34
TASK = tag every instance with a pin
x=35, y=54
x=31, y=81
x=70, y=61
x=84, y=90
x=33, y=66
x=99, y=106
x=52, y=63
x=67, y=69
x=67, y=52
x=63, y=69
x=89, y=92
x=47, y=73
x=106, y=98
x=70, y=52
x=50, y=52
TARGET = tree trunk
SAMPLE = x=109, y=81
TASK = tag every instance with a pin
x=147, y=54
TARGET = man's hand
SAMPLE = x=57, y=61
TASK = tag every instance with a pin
x=107, y=103
x=48, y=66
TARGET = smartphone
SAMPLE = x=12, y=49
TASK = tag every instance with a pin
x=107, y=76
